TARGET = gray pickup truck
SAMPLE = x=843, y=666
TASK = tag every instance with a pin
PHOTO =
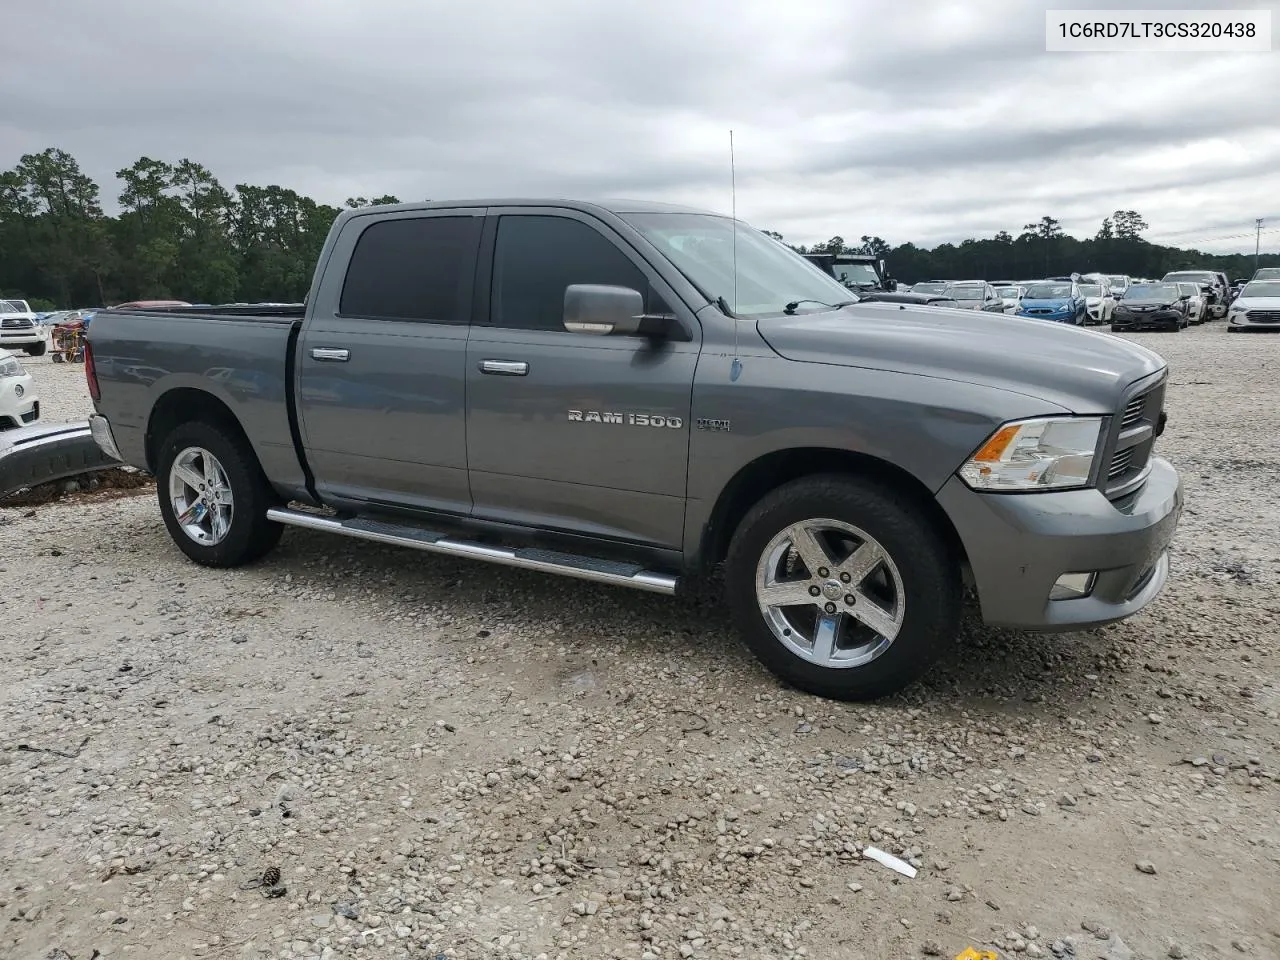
x=636, y=393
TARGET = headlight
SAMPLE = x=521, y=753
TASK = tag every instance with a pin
x=1048, y=453
x=10, y=367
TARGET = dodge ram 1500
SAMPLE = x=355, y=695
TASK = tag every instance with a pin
x=636, y=393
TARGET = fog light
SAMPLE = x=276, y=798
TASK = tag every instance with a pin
x=17, y=390
x=1073, y=586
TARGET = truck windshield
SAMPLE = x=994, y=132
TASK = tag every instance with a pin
x=856, y=274
x=769, y=274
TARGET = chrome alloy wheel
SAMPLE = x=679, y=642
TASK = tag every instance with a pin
x=200, y=495
x=830, y=593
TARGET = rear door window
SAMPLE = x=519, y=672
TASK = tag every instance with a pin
x=413, y=268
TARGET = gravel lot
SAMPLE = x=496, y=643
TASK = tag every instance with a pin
x=443, y=758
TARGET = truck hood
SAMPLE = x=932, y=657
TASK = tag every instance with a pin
x=1080, y=370
x=1256, y=303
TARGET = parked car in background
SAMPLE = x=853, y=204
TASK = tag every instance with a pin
x=1197, y=308
x=976, y=295
x=1257, y=307
x=941, y=287
x=1152, y=306
x=19, y=402
x=1266, y=273
x=1216, y=298
x=1057, y=301
x=586, y=416
x=907, y=296
x=856, y=271
x=1010, y=294
x=1099, y=302
x=19, y=329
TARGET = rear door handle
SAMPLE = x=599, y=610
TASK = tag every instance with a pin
x=504, y=368
x=335, y=354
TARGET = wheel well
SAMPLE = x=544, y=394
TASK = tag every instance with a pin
x=184, y=405
x=771, y=471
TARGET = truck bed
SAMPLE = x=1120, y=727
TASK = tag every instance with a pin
x=261, y=312
x=148, y=359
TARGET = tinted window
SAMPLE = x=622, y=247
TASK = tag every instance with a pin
x=537, y=257
x=413, y=269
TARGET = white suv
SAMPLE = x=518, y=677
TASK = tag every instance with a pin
x=19, y=403
x=18, y=328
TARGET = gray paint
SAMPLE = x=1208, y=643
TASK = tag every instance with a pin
x=1019, y=545
x=412, y=422
x=387, y=424
x=141, y=357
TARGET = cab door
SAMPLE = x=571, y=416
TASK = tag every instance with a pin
x=584, y=434
x=381, y=362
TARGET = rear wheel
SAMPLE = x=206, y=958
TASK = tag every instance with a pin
x=214, y=496
x=842, y=589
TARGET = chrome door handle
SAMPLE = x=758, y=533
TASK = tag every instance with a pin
x=330, y=353
x=504, y=368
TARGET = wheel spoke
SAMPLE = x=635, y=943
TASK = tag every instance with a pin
x=788, y=594
x=210, y=471
x=875, y=616
x=826, y=635
x=219, y=521
x=861, y=562
x=806, y=543
x=187, y=474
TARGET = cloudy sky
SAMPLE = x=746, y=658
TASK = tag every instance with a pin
x=913, y=120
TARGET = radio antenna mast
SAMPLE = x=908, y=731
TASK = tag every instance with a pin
x=733, y=212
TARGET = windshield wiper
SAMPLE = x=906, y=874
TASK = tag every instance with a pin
x=790, y=308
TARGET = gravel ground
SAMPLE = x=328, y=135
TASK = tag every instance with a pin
x=447, y=759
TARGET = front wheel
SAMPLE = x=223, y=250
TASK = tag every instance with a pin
x=37, y=349
x=842, y=589
x=214, y=497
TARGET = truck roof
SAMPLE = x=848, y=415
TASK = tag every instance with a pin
x=611, y=206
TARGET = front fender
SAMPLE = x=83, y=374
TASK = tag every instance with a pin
x=925, y=426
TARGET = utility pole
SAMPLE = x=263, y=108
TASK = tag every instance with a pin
x=1257, y=243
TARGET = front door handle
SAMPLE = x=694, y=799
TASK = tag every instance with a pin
x=335, y=354
x=504, y=368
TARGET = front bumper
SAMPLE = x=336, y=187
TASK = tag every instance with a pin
x=1160, y=320
x=17, y=339
x=1238, y=322
x=19, y=402
x=1068, y=317
x=1018, y=545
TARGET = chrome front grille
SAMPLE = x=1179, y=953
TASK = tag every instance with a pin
x=1263, y=316
x=1133, y=433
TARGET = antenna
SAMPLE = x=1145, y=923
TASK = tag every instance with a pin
x=733, y=211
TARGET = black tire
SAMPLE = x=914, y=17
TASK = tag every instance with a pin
x=929, y=575
x=37, y=349
x=1115, y=328
x=250, y=535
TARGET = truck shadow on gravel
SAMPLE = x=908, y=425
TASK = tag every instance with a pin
x=689, y=634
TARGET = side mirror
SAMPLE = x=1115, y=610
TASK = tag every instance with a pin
x=602, y=310
x=890, y=284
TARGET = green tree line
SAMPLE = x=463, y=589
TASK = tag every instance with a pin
x=181, y=234
x=1043, y=249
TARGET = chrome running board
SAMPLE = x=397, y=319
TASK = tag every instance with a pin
x=527, y=558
